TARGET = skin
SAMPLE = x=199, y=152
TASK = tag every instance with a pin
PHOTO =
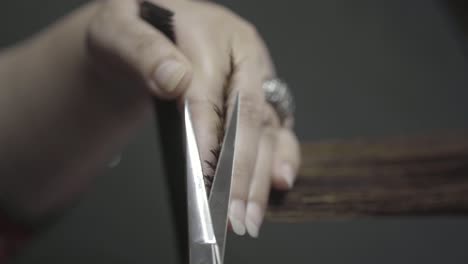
x=74, y=94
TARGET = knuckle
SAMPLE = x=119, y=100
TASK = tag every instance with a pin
x=219, y=11
x=259, y=191
x=92, y=38
x=251, y=30
x=96, y=27
x=251, y=108
x=142, y=52
x=271, y=119
x=103, y=27
x=243, y=168
x=269, y=136
x=242, y=25
x=144, y=44
x=241, y=180
x=99, y=33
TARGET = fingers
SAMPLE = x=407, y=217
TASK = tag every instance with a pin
x=287, y=160
x=261, y=182
x=248, y=137
x=251, y=107
x=251, y=66
x=120, y=38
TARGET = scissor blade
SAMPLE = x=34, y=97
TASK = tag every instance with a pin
x=221, y=189
x=200, y=222
x=204, y=254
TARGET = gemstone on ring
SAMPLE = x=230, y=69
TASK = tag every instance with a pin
x=278, y=95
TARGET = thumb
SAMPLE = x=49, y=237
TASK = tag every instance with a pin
x=121, y=35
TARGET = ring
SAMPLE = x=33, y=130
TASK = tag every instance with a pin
x=278, y=95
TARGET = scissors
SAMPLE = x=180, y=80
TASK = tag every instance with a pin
x=207, y=213
x=200, y=219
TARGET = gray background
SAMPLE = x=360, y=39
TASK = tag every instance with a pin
x=358, y=68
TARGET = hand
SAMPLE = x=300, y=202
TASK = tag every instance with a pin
x=218, y=55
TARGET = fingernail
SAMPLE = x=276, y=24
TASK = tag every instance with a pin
x=169, y=75
x=254, y=219
x=237, y=216
x=287, y=173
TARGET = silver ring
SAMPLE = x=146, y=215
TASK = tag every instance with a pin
x=278, y=95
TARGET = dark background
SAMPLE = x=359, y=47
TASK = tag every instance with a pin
x=358, y=68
